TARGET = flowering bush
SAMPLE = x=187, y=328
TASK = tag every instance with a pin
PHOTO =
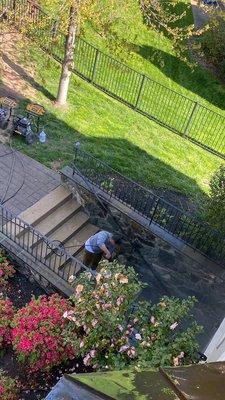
x=8, y=387
x=6, y=316
x=164, y=338
x=6, y=269
x=105, y=330
x=98, y=323
x=36, y=333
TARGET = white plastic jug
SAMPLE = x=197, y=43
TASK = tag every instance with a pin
x=42, y=136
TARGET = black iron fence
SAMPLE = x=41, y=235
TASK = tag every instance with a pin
x=38, y=246
x=147, y=96
x=202, y=237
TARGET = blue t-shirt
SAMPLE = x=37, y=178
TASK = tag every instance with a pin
x=94, y=242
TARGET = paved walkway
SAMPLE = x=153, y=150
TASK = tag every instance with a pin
x=27, y=180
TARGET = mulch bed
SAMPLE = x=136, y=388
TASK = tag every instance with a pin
x=19, y=291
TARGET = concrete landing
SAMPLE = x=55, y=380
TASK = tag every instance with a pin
x=27, y=180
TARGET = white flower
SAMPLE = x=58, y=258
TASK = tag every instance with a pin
x=124, y=348
x=71, y=279
x=152, y=319
x=79, y=288
x=138, y=336
x=68, y=314
x=173, y=326
x=98, y=278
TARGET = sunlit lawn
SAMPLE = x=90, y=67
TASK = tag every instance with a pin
x=134, y=145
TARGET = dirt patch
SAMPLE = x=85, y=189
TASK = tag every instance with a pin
x=15, y=79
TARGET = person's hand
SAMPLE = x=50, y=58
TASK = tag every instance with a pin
x=108, y=255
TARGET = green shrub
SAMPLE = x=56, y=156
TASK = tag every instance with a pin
x=215, y=209
x=8, y=387
x=213, y=44
x=109, y=328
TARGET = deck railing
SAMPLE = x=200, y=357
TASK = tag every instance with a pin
x=182, y=225
x=42, y=249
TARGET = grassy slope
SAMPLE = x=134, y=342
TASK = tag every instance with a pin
x=152, y=54
x=130, y=142
x=134, y=145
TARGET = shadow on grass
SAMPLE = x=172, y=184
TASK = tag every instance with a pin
x=121, y=154
x=191, y=79
x=26, y=77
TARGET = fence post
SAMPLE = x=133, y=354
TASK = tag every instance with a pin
x=139, y=92
x=154, y=212
x=95, y=64
x=194, y=110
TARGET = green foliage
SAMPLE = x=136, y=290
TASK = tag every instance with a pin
x=213, y=43
x=8, y=387
x=111, y=329
x=215, y=209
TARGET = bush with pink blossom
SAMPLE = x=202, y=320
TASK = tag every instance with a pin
x=8, y=387
x=36, y=333
x=6, y=316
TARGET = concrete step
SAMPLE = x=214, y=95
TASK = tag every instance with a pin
x=48, y=204
x=64, y=233
x=54, y=220
x=75, y=244
x=70, y=228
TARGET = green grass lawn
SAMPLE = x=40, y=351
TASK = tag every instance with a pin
x=149, y=52
x=152, y=54
x=132, y=144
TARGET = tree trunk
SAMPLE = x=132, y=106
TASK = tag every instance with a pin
x=68, y=62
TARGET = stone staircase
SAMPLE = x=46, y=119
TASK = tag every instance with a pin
x=60, y=218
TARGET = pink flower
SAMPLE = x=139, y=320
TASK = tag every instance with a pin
x=173, y=326
x=120, y=300
x=1, y=389
x=93, y=353
x=81, y=344
x=87, y=360
x=1, y=273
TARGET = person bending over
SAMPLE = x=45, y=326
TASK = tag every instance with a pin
x=101, y=244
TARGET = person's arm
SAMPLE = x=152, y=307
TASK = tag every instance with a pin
x=102, y=238
x=106, y=252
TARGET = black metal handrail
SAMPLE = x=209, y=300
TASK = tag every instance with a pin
x=38, y=245
x=182, y=225
x=155, y=100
